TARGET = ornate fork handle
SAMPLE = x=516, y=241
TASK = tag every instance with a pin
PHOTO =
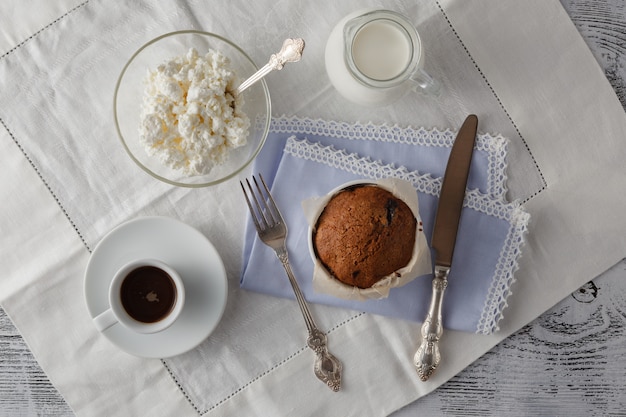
x=326, y=367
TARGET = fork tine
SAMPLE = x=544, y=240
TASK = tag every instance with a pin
x=250, y=209
x=261, y=208
x=274, y=207
x=271, y=211
x=257, y=215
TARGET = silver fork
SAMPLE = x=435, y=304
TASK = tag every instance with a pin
x=272, y=231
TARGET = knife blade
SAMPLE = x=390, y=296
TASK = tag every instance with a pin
x=451, y=196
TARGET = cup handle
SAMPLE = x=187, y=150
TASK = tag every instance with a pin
x=105, y=320
x=424, y=83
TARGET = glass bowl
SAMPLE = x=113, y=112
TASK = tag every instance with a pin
x=128, y=100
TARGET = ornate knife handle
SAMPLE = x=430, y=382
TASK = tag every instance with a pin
x=427, y=357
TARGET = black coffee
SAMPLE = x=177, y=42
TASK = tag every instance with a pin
x=148, y=294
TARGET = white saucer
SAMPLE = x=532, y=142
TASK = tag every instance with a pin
x=186, y=250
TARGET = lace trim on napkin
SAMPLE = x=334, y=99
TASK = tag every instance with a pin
x=495, y=147
x=513, y=213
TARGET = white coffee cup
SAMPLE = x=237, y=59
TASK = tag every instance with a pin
x=146, y=296
x=374, y=57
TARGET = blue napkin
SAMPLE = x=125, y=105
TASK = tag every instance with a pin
x=417, y=149
x=489, y=242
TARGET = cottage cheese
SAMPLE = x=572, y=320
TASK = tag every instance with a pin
x=189, y=119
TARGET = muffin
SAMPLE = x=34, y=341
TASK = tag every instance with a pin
x=364, y=234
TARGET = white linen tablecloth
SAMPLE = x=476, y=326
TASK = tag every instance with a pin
x=520, y=66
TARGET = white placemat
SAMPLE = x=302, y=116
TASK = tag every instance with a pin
x=71, y=182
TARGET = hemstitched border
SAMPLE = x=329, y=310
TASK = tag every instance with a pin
x=543, y=180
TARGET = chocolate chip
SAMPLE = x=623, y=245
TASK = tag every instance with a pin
x=391, y=209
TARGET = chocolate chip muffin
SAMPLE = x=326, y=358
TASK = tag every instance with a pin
x=364, y=234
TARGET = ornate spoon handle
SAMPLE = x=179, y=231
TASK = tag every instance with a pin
x=290, y=52
x=327, y=367
x=427, y=357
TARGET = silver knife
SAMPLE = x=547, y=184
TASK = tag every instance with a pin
x=428, y=357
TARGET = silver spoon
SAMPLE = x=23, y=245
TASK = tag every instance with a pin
x=290, y=52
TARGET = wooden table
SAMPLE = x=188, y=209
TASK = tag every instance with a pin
x=570, y=361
